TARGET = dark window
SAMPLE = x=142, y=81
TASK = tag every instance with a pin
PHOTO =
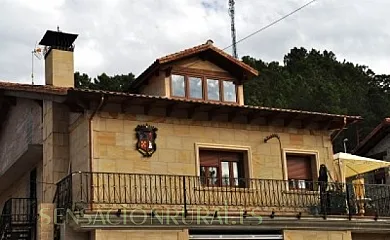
x=33, y=184
x=300, y=171
x=221, y=168
x=380, y=176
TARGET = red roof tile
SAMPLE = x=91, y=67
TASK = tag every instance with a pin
x=65, y=91
x=201, y=48
x=218, y=103
x=33, y=88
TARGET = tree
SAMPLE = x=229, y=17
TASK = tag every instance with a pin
x=116, y=83
x=316, y=81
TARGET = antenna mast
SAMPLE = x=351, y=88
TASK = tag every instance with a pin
x=37, y=52
x=233, y=28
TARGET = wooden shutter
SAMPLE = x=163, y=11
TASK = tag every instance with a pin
x=230, y=156
x=208, y=158
x=299, y=167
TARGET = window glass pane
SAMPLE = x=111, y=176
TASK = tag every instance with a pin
x=213, y=175
x=225, y=173
x=196, y=87
x=178, y=86
x=213, y=89
x=203, y=175
x=229, y=91
x=235, y=173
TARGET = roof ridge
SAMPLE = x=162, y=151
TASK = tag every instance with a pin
x=197, y=47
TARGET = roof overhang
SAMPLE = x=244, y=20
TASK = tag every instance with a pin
x=373, y=138
x=212, y=110
x=81, y=99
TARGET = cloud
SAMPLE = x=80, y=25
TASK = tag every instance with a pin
x=122, y=36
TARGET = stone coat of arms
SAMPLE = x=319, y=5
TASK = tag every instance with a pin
x=146, y=136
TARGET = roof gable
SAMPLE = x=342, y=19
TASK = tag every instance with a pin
x=205, y=51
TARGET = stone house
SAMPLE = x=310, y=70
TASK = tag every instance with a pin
x=181, y=158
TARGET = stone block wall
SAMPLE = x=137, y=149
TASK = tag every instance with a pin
x=140, y=234
x=317, y=235
x=115, y=141
x=79, y=142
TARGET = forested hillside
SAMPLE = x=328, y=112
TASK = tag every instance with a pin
x=307, y=80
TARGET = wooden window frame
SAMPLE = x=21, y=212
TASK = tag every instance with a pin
x=223, y=92
x=206, y=87
x=204, y=79
x=187, y=79
x=314, y=165
x=246, y=161
x=171, y=86
x=218, y=164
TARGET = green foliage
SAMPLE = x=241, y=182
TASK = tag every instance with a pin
x=117, y=83
x=316, y=81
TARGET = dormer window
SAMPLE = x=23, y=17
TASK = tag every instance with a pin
x=203, y=88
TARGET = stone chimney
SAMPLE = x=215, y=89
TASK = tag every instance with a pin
x=59, y=65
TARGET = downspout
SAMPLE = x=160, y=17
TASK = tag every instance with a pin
x=91, y=143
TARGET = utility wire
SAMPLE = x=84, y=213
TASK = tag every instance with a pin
x=265, y=27
x=272, y=23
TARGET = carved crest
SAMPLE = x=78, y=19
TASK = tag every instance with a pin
x=146, y=136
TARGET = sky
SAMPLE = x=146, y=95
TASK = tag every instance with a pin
x=123, y=36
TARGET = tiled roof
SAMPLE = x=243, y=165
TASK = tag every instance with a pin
x=216, y=103
x=33, y=88
x=201, y=48
x=65, y=91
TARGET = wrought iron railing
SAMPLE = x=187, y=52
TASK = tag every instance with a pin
x=85, y=190
x=17, y=211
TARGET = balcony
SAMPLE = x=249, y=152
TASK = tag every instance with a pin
x=18, y=219
x=88, y=192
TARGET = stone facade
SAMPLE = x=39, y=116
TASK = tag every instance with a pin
x=79, y=142
x=115, y=140
x=317, y=235
x=59, y=68
x=140, y=234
